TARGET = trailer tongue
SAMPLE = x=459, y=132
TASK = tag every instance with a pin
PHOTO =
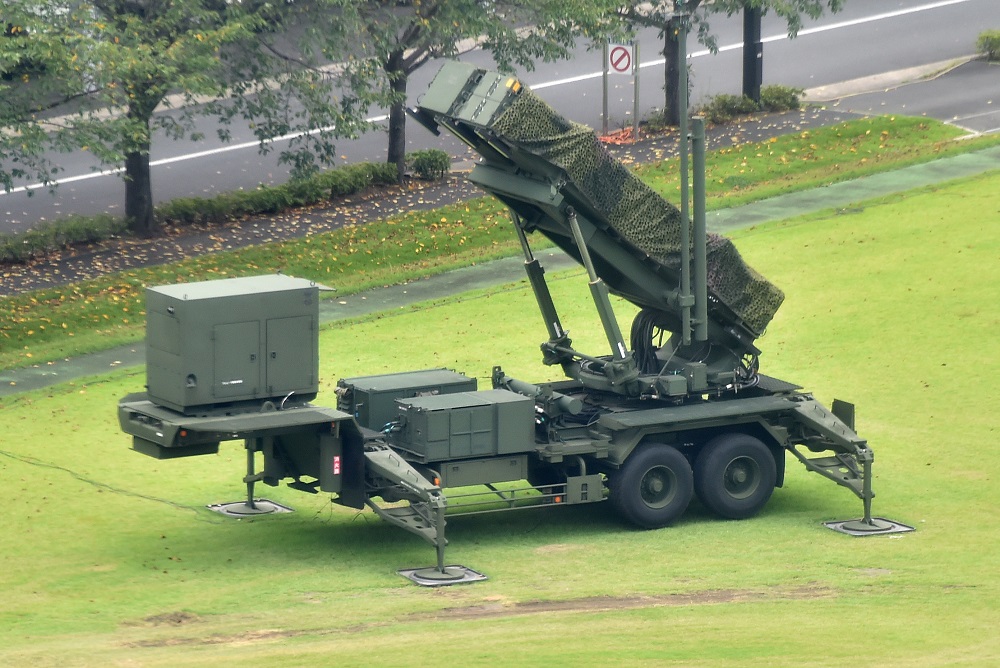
x=679, y=410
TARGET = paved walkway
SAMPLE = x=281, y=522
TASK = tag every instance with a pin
x=511, y=269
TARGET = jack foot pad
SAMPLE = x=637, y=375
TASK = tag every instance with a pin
x=878, y=527
x=432, y=577
x=243, y=509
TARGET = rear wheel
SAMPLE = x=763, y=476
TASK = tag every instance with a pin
x=653, y=487
x=734, y=475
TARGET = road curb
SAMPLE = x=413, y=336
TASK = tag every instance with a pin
x=884, y=81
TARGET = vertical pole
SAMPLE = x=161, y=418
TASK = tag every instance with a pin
x=866, y=492
x=700, y=233
x=604, y=115
x=682, y=95
x=753, y=54
x=251, y=477
x=439, y=539
x=635, y=92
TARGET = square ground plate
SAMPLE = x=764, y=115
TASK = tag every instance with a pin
x=879, y=527
x=432, y=577
x=243, y=509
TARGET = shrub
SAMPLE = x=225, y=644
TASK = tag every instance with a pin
x=431, y=164
x=355, y=178
x=780, y=98
x=723, y=108
x=989, y=44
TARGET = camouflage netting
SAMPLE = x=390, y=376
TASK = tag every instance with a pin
x=632, y=208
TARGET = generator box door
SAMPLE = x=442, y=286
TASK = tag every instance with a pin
x=237, y=367
x=290, y=364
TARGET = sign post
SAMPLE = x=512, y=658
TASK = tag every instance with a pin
x=622, y=59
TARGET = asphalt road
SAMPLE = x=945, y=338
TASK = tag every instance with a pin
x=865, y=45
x=967, y=96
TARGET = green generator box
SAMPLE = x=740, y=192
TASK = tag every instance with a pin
x=466, y=424
x=233, y=340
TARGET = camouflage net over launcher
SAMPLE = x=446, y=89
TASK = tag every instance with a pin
x=632, y=208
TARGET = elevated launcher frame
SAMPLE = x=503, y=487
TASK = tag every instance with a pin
x=557, y=179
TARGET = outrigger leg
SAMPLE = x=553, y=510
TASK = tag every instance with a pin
x=251, y=506
x=868, y=525
x=849, y=466
x=423, y=516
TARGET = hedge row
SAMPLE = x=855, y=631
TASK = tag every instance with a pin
x=274, y=199
x=48, y=237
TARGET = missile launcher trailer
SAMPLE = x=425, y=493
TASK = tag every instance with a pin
x=680, y=410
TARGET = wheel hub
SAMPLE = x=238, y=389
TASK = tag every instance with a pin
x=657, y=487
x=742, y=477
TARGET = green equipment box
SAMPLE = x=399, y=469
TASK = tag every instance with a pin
x=372, y=399
x=232, y=340
x=467, y=424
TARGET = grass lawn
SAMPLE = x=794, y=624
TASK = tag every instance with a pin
x=109, y=558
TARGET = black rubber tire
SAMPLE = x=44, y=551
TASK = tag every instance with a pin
x=734, y=475
x=653, y=487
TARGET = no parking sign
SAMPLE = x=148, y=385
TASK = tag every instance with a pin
x=621, y=58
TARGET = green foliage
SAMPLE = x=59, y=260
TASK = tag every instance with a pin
x=209, y=57
x=780, y=98
x=988, y=43
x=431, y=164
x=355, y=178
x=392, y=40
x=724, y=108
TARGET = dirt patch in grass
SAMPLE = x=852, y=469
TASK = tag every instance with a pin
x=168, y=619
x=606, y=603
x=245, y=638
x=494, y=609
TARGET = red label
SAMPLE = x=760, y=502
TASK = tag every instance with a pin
x=336, y=465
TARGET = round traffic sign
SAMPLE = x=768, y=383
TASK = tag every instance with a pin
x=620, y=59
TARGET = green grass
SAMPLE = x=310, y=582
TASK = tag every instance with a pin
x=55, y=323
x=109, y=558
x=816, y=157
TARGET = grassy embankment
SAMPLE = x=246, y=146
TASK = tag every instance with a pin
x=109, y=558
x=54, y=323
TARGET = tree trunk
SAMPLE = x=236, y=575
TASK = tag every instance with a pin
x=671, y=77
x=138, y=180
x=397, y=114
x=139, y=193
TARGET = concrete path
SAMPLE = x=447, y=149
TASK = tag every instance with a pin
x=511, y=269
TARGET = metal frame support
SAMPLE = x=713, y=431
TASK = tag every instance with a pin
x=700, y=231
x=682, y=95
x=599, y=291
x=536, y=276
